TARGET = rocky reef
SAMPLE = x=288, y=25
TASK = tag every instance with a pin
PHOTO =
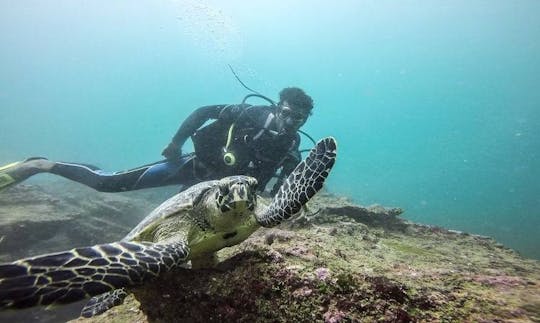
x=338, y=262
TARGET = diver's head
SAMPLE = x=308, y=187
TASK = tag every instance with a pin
x=294, y=109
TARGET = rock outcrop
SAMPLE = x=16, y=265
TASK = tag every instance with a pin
x=339, y=262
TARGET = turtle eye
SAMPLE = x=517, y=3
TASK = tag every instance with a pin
x=224, y=190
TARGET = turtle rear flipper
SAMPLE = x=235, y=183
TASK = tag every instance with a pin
x=84, y=272
x=101, y=303
x=304, y=181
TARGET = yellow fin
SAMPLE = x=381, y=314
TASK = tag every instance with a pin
x=9, y=166
x=6, y=180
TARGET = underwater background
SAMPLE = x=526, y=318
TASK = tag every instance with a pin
x=435, y=104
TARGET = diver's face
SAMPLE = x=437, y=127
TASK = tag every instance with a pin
x=291, y=119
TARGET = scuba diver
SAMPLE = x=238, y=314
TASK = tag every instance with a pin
x=259, y=141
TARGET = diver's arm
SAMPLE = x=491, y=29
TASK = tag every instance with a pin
x=189, y=126
x=264, y=177
x=195, y=121
x=293, y=158
x=289, y=164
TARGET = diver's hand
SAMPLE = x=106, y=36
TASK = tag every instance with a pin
x=172, y=151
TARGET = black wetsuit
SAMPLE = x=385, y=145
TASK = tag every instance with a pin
x=259, y=151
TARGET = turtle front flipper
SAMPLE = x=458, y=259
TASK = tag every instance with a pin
x=84, y=272
x=101, y=303
x=304, y=181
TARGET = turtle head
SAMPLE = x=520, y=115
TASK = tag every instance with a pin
x=236, y=194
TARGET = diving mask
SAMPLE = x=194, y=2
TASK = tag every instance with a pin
x=291, y=118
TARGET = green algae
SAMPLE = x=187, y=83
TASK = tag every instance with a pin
x=338, y=270
x=407, y=249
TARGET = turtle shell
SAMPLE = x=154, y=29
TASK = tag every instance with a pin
x=180, y=204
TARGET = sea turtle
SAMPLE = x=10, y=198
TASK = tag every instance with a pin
x=190, y=226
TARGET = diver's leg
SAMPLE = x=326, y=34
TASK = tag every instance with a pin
x=17, y=172
x=105, y=181
x=179, y=172
x=153, y=175
x=161, y=173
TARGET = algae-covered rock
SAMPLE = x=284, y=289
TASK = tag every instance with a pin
x=348, y=263
x=35, y=220
x=339, y=262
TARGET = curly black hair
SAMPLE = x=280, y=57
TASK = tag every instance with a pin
x=297, y=98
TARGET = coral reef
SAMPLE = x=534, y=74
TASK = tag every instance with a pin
x=338, y=262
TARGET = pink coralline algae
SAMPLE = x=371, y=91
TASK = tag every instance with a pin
x=333, y=316
x=322, y=273
x=499, y=281
x=302, y=292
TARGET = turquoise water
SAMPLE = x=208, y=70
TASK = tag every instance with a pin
x=435, y=104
